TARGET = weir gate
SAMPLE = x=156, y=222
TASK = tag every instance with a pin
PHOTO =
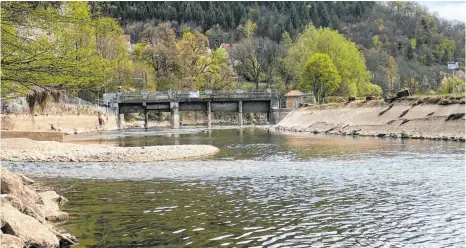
x=259, y=101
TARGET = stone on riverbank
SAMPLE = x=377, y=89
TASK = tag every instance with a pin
x=49, y=151
x=11, y=241
x=28, y=229
x=25, y=219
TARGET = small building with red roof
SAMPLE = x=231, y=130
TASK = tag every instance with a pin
x=294, y=98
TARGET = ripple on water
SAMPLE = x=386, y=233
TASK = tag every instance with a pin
x=383, y=198
x=282, y=204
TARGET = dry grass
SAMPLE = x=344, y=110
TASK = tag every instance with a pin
x=41, y=98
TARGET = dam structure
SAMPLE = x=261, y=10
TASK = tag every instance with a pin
x=241, y=102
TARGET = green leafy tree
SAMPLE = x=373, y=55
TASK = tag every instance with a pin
x=194, y=59
x=43, y=48
x=319, y=76
x=112, y=46
x=61, y=46
x=248, y=29
x=219, y=74
x=286, y=40
x=452, y=85
x=376, y=42
x=346, y=57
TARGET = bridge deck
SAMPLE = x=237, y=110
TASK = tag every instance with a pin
x=203, y=96
x=193, y=100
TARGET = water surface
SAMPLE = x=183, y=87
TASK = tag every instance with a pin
x=266, y=190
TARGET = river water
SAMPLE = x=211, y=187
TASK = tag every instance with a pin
x=266, y=190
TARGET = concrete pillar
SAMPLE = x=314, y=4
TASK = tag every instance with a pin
x=240, y=113
x=274, y=116
x=209, y=115
x=175, y=115
x=121, y=117
x=146, y=118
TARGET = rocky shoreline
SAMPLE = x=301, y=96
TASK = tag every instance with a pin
x=432, y=122
x=28, y=215
x=355, y=131
x=20, y=149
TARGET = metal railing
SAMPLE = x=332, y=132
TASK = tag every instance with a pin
x=206, y=94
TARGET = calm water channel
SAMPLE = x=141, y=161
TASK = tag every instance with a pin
x=266, y=190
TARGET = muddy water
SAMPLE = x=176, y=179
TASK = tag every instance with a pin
x=267, y=190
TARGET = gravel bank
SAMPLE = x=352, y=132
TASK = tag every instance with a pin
x=19, y=149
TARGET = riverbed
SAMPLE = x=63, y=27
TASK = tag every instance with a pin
x=267, y=190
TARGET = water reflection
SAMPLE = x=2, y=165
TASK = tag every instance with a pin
x=258, y=144
x=267, y=190
x=338, y=206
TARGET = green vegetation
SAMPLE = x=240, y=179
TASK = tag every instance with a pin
x=452, y=86
x=320, y=76
x=46, y=48
x=348, y=60
x=79, y=47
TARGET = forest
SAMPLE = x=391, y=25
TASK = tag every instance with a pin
x=328, y=48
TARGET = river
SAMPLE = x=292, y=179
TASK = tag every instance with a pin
x=266, y=190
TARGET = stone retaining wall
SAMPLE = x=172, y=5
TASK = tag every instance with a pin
x=40, y=136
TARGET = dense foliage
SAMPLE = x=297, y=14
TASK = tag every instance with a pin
x=401, y=41
x=64, y=47
x=373, y=46
x=350, y=63
x=320, y=76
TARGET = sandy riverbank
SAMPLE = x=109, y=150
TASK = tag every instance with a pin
x=401, y=120
x=18, y=149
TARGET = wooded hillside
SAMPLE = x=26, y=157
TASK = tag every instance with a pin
x=374, y=47
x=394, y=36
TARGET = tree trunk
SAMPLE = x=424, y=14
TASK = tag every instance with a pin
x=316, y=96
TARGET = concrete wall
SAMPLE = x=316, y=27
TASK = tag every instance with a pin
x=64, y=123
x=40, y=136
x=193, y=106
x=421, y=120
x=280, y=114
x=126, y=109
x=161, y=107
x=225, y=106
x=256, y=107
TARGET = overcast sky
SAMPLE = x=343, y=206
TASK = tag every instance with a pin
x=450, y=10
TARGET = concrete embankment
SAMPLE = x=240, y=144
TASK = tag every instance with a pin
x=424, y=121
x=27, y=215
x=21, y=149
x=62, y=123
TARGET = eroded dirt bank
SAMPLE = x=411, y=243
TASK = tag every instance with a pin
x=49, y=151
x=423, y=121
x=27, y=215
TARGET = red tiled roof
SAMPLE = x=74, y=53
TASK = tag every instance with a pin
x=294, y=93
x=225, y=46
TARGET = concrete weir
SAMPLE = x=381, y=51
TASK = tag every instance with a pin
x=241, y=103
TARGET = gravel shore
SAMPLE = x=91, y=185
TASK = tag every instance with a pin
x=19, y=149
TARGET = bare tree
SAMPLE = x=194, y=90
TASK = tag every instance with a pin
x=257, y=57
